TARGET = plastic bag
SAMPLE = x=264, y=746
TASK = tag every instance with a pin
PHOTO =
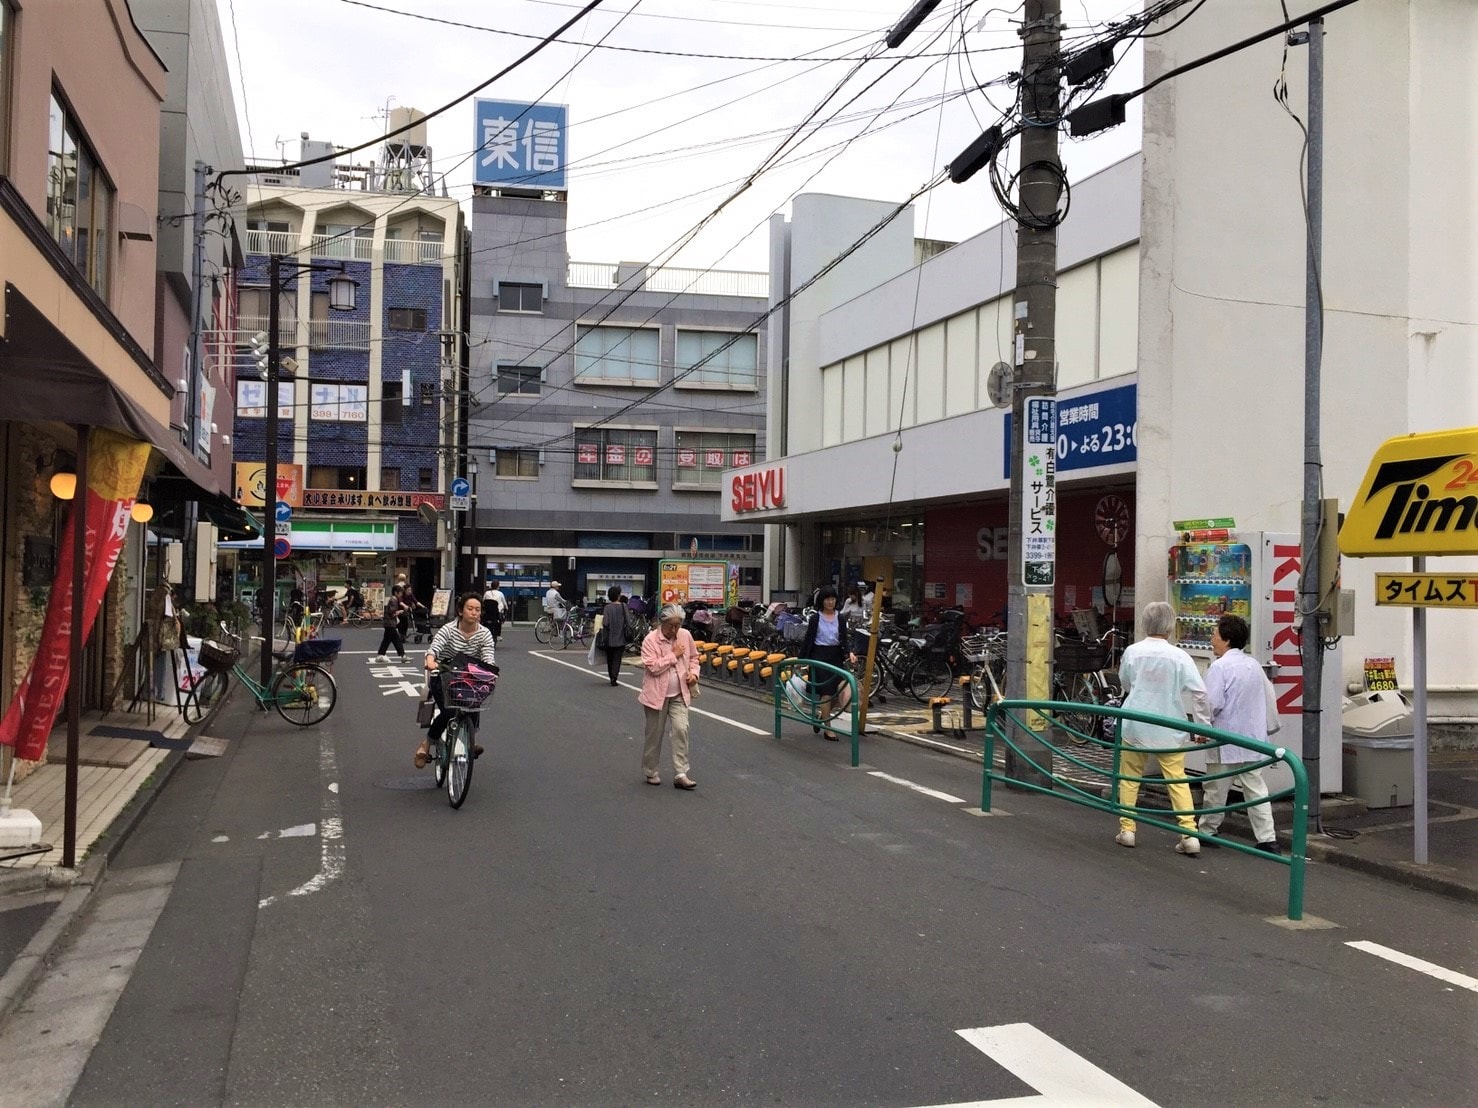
x=590, y=657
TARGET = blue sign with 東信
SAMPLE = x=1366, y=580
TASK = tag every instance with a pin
x=1093, y=429
x=520, y=144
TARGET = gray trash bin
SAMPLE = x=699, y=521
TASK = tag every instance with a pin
x=1377, y=749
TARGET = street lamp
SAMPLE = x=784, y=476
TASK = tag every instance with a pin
x=472, y=524
x=341, y=298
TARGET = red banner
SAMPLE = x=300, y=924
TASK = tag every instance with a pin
x=115, y=466
x=687, y=458
x=644, y=455
x=615, y=454
x=713, y=459
x=587, y=454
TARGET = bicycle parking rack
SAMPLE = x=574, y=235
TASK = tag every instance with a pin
x=1016, y=712
x=794, y=698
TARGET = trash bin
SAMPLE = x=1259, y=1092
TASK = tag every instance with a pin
x=1377, y=749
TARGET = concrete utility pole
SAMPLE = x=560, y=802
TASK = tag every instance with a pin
x=1029, y=606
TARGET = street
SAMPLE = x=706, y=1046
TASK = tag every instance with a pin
x=794, y=931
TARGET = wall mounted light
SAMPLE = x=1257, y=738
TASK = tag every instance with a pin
x=141, y=512
x=342, y=293
x=63, y=485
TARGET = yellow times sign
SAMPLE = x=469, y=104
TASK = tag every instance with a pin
x=1427, y=590
x=1419, y=497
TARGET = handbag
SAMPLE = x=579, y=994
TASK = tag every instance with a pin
x=425, y=712
x=602, y=639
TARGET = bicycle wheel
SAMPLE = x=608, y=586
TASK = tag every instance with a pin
x=458, y=760
x=208, y=692
x=304, y=694
x=929, y=677
x=981, y=692
x=1079, y=687
x=438, y=759
x=566, y=635
x=543, y=629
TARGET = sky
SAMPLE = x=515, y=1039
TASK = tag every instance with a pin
x=658, y=140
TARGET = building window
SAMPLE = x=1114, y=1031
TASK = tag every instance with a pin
x=390, y=404
x=514, y=297
x=522, y=464
x=390, y=478
x=427, y=390
x=620, y=455
x=7, y=32
x=734, y=367
x=426, y=478
x=620, y=355
x=520, y=380
x=407, y=319
x=336, y=477
x=79, y=199
x=702, y=456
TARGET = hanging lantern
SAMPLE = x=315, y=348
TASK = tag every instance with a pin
x=141, y=512
x=63, y=485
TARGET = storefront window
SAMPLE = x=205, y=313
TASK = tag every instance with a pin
x=79, y=197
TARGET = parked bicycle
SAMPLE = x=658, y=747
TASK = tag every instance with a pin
x=304, y=693
x=562, y=627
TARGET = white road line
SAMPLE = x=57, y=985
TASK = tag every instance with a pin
x=935, y=793
x=331, y=834
x=1452, y=977
x=625, y=685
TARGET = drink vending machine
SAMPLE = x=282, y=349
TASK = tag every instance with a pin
x=1254, y=574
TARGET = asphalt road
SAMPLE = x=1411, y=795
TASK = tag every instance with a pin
x=795, y=931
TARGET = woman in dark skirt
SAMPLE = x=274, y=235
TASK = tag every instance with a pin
x=827, y=640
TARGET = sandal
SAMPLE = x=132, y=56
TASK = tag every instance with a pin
x=423, y=756
x=684, y=782
x=832, y=737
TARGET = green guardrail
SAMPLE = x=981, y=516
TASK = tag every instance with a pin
x=795, y=698
x=1017, y=712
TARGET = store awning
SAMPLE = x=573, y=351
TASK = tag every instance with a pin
x=233, y=521
x=365, y=536
x=48, y=380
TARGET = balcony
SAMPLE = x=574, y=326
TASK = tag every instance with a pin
x=351, y=248
x=700, y=282
x=323, y=334
x=413, y=251
x=271, y=242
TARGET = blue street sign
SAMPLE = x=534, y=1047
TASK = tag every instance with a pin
x=460, y=487
x=282, y=548
x=461, y=498
x=1093, y=429
x=520, y=144
x=283, y=512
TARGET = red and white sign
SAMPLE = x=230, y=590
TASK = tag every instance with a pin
x=759, y=491
x=587, y=454
x=615, y=454
x=713, y=459
x=643, y=454
x=743, y=458
x=687, y=459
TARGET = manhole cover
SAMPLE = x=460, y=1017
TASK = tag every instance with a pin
x=420, y=781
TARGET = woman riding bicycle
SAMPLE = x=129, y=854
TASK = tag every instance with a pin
x=465, y=638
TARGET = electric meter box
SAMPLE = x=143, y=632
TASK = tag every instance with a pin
x=1377, y=749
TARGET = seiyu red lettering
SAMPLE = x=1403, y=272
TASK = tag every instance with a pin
x=752, y=492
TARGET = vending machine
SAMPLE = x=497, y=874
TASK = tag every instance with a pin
x=1254, y=574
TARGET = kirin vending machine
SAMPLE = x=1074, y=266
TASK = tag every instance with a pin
x=1217, y=571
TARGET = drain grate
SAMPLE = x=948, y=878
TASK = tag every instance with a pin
x=420, y=781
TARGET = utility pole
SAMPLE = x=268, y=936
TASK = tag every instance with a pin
x=268, y=601
x=194, y=371
x=1030, y=586
x=1312, y=590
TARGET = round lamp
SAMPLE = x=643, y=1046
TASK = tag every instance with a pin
x=142, y=511
x=64, y=485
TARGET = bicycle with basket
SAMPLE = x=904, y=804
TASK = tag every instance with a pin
x=464, y=692
x=302, y=688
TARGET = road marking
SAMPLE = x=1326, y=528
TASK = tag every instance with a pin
x=331, y=836
x=1060, y=1077
x=298, y=831
x=1452, y=977
x=691, y=709
x=935, y=793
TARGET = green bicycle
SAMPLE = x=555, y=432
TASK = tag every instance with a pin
x=303, y=693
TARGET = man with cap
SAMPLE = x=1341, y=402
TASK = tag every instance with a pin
x=554, y=604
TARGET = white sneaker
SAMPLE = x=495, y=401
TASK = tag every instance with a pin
x=380, y=658
x=1124, y=838
x=1188, y=846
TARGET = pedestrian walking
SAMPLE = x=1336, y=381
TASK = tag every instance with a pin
x=1156, y=675
x=852, y=606
x=393, y=636
x=669, y=682
x=828, y=640
x=494, y=609
x=1237, y=691
x=613, y=628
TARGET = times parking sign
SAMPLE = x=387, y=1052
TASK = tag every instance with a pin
x=520, y=144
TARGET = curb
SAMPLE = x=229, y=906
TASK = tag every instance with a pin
x=81, y=885
x=1318, y=850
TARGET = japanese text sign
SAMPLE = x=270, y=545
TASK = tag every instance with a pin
x=1098, y=428
x=1039, y=492
x=1419, y=497
x=1427, y=590
x=1380, y=675
x=520, y=144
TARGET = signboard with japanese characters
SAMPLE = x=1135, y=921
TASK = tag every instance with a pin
x=615, y=454
x=1098, y=428
x=389, y=500
x=644, y=455
x=251, y=399
x=587, y=453
x=1039, y=481
x=339, y=403
x=687, y=459
x=1380, y=675
x=1427, y=590
x=520, y=144
x=251, y=485
x=743, y=458
x=713, y=459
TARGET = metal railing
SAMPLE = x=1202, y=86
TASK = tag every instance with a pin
x=271, y=242
x=714, y=282
x=1017, y=713
x=323, y=334
x=795, y=698
x=348, y=247
x=413, y=251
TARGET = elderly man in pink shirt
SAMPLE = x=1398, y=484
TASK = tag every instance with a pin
x=670, y=667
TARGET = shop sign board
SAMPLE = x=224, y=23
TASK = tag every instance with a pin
x=1426, y=590
x=1039, y=492
x=251, y=484
x=520, y=144
x=1380, y=675
x=714, y=582
x=371, y=501
x=1419, y=497
x=1095, y=429
x=759, y=491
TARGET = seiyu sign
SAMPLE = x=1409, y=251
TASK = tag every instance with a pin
x=520, y=144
